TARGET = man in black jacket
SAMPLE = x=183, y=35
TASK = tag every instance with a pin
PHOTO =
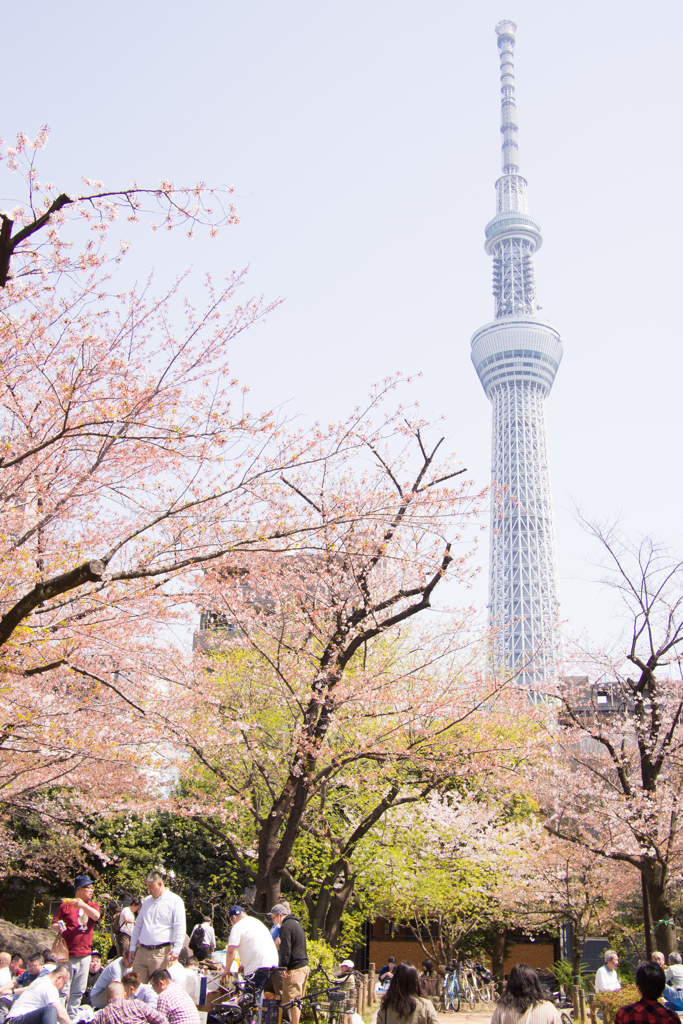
x=290, y=982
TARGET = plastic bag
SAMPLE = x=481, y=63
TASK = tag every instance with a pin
x=60, y=950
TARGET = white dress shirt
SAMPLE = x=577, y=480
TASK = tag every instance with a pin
x=160, y=920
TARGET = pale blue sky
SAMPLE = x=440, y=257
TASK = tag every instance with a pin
x=362, y=139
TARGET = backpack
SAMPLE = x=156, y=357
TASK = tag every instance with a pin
x=116, y=921
x=197, y=938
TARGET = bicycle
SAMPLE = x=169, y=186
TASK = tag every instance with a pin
x=450, y=989
x=247, y=1005
x=334, y=995
x=467, y=983
x=484, y=983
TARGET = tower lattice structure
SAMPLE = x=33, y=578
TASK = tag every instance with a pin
x=516, y=357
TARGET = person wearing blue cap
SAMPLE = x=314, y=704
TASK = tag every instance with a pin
x=75, y=921
x=252, y=941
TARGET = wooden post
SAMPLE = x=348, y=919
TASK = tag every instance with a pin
x=582, y=1004
x=371, y=985
x=364, y=990
x=575, y=1001
x=592, y=1008
x=359, y=1000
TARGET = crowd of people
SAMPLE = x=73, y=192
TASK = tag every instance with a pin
x=524, y=1000
x=146, y=980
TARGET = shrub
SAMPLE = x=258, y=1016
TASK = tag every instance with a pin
x=610, y=1002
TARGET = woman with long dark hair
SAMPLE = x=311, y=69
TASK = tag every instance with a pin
x=524, y=1001
x=403, y=1002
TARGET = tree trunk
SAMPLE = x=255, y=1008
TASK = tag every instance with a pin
x=339, y=901
x=268, y=887
x=498, y=956
x=660, y=907
x=325, y=910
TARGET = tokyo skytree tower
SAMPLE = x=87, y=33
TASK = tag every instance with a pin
x=516, y=357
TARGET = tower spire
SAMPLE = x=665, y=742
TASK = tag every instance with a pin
x=505, y=30
x=516, y=357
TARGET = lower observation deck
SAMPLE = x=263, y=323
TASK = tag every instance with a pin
x=516, y=348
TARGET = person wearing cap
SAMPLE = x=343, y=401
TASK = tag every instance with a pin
x=290, y=982
x=252, y=941
x=346, y=980
x=94, y=971
x=75, y=921
x=275, y=928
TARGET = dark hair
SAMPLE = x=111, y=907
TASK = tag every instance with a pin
x=523, y=989
x=161, y=974
x=391, y=960
x=131, y=978
x=651, y=980
x=428, y=966
x=17, y=956
x=403, y=988
x=36, y=958
x=206, y=919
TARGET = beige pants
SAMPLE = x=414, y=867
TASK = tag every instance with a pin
x=147, y=961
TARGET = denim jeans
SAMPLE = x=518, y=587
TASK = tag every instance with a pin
x=44, y=1015
x=674, y=997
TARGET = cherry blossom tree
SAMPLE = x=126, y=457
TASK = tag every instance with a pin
x=559, y=881
x=136, y=484
x=613, y=778
x=316, y=675
x=453, y=865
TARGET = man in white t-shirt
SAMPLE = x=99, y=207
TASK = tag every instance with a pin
x=39, y=1003
x=607, y=979
x=254, y=944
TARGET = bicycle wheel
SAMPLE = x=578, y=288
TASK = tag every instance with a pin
x=455, y=994
x=485, y=993
x=469, y=995
x=445, y=994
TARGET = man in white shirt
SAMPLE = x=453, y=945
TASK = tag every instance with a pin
x=126, y=926
x=607, y=979
x=39, y=1003
x=674, y=974
x=254, y=944
x=159, y=931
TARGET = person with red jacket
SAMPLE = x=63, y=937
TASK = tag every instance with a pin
x=75, y=921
